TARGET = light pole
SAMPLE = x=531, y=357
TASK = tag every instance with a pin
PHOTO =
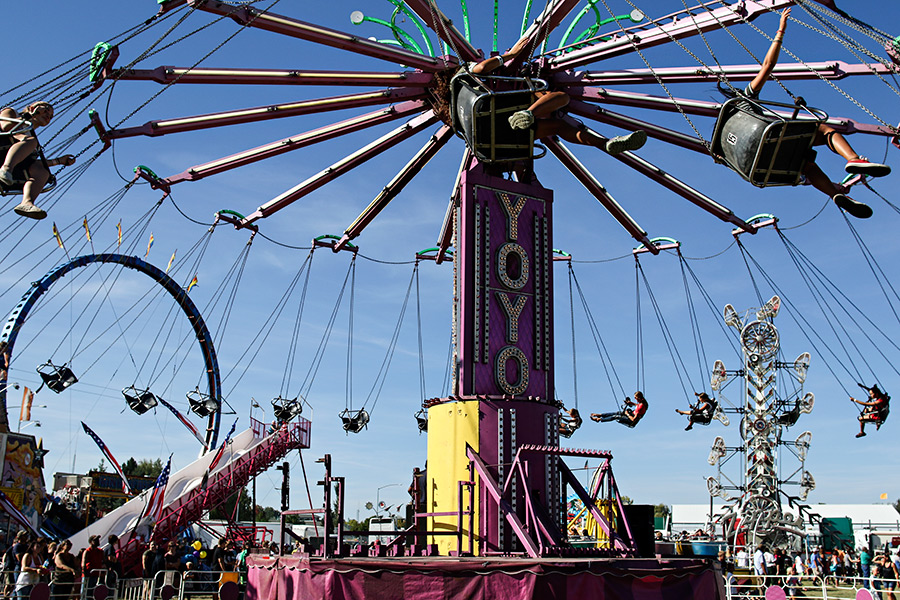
x=378, y=498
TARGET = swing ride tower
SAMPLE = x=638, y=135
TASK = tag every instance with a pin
x=503, y=381
x=495, y=477
x=769, y=407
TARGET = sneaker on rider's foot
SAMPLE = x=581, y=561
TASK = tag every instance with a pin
x=522, y=119
x=861, y=434
x=632, y=141
x=862, y=166
x=853, y=208
x=6, y=176
x=27, y=209
x=689, y=427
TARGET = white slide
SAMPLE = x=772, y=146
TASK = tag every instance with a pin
x=122, y=520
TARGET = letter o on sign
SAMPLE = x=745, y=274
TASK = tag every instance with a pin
x=511, y=353
x=511, y=254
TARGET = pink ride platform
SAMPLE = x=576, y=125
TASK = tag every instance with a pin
x=476, y=578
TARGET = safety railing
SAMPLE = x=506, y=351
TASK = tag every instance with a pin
x=191, y=584
x=753, y=587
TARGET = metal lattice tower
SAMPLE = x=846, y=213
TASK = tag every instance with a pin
x=770, y=404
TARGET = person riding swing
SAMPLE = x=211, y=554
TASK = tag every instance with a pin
x=702, y=412
x=825, y=135
x=875, y=411
x=628, y=416
x=545, y=115
x=24, y=166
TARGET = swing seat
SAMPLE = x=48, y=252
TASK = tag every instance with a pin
x=201, y=404
x=422, y=421
x=286, y=409
x=790, y=417
x=480, y=108
x=354, y=421
x=763, y=146
x=57, y=378
x=140, y=401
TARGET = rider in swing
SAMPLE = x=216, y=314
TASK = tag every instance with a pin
x=701, y=413
x=630, y=415
x=826, y=135
x=874, y=411
x=544, y=116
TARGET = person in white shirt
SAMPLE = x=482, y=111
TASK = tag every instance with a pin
x=743, y=559
x=759, y=561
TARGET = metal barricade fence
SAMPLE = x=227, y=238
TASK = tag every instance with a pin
x=191, y=584
x=753, y=587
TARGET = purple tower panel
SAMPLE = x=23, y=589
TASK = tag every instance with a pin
x=505, y=284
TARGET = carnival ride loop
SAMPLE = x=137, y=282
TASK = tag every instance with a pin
x=19, y=316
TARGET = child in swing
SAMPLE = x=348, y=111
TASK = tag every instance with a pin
x=542, y=115
x=22, y=164
x=874, y=411
x=630, y=415
x=826, y=135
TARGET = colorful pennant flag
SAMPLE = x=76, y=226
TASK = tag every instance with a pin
x=149, y=245
x=192, y=283
x=171, y=260
x=25, y=411
x=184, y=421
x=7, y=505
x=884, y=496
x=58, y=238
x=87, y=230
x=119, y=229
x=154, y=506
x=221, y=450
x=112, y=459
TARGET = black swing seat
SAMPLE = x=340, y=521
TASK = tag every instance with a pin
x=763, y=146
x=354, y=421
x=286, y=409
x=481, y=107
x=790, y=417
x=138, y=400
x=57, y=378
x=202, y=404
x=20, y=172
x=422, y=421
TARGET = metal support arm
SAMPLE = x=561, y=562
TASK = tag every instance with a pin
x=246, y=157
x=438, y=22
x=266, y=113
x=249, y=16
x=677, y=25
x=344, y=165
x=597, y=190
x=199, y=75
x=397, y=184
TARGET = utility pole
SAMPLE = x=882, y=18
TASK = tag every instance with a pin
x=285, y=469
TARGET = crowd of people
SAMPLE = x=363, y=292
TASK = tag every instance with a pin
x=28, y=561
x=796, y=571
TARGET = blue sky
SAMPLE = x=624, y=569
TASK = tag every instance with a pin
x=656, y=462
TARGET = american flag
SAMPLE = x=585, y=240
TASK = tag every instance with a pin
x=154, y=506
x=112, y=459
x=221, y=451
x=184, y=421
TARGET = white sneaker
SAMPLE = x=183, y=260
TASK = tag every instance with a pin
x=522, y=119
x=6, y=176
x=622, y=143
